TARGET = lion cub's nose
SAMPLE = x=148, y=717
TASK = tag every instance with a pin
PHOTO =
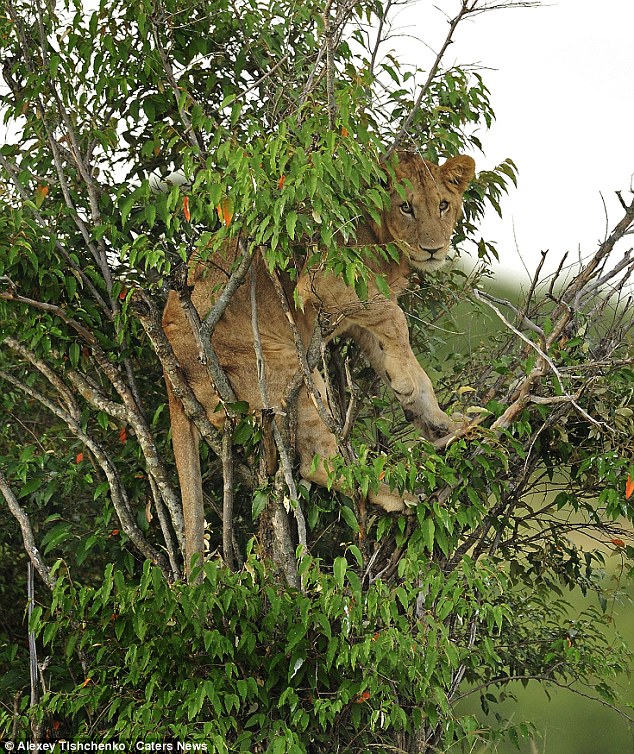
x=431, y=252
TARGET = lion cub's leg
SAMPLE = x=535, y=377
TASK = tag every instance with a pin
x=314, y=438
x=384, y=341
x=185, y=441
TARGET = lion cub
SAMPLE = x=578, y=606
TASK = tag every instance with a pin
x=421, y=224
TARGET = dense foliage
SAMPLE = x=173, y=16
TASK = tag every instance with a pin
x=143, y=135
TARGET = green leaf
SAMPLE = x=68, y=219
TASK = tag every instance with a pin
x=243, y=432
x=258, y=504
x=54, y=65
x=56, y=536
x=291, y=222
x=339, y=569
x=150, y=215
x=74, y=352
x=427, y=529
x=30, y=486
x=357, y=554
x=348, y=516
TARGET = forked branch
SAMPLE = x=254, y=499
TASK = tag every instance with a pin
x=467, y=8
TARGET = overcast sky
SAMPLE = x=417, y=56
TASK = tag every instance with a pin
x=563, y=93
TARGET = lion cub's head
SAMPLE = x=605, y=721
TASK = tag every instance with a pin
x=422, y=222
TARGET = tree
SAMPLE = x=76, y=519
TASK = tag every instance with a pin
x=144, y=135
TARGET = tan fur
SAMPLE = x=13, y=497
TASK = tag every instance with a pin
x=378, y=325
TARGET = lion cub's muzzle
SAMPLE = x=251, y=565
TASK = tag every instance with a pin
x=430, y=258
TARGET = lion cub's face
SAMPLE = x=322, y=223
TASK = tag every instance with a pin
x=422, y=223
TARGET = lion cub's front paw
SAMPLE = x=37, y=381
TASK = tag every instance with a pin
x=456, y=427
x=439, y=426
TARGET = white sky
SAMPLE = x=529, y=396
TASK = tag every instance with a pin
x=562, y=90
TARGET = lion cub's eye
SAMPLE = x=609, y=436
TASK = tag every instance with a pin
x=407, y=209
x=444, y=206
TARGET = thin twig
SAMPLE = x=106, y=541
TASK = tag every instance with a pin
x=30, y=581
x=545, y=678
x=580, y=281
x=386, y=8
x=544, y=356
x=330, y=66
x=465, y=9
x=227, y=496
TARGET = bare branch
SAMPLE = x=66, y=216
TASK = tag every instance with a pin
x=282, y=447
x=227, y=496
x=465, y=9
x=543, y=356
x=150, y=320
x=594, y=286
x=621, y=229
x=325, y=415
x=27, y=532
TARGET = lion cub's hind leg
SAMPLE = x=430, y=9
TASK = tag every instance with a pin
x=314, y=438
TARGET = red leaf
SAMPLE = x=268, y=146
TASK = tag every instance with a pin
x=79, y=457
x=617, y=542
x=344, y=131
x=225, y=211
x=186, y=211
x=629, y=487
x=280, y=183
x=123, y=435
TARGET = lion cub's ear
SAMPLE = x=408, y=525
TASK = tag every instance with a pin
x=459, y=171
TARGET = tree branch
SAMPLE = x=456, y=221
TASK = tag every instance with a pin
x=227, y=496
x=465, y=9
x=27, y=532
x=324, y=414
x=481, y=296
x=282, y=447
x=150, y=320
x=117, y=490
